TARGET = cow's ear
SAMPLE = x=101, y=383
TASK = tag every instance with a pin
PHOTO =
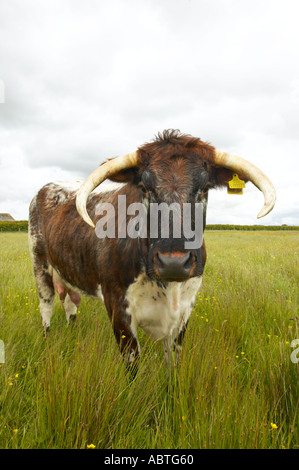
x=222, y=176
x=129, y=175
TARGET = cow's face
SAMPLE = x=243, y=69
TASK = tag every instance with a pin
x=176, y=170
x=175, y=191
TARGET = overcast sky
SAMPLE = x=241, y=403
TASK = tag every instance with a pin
x=86, y=80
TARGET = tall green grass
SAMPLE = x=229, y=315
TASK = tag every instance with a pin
x=234, y=378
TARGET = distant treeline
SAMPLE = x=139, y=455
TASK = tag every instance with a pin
x=252, y=227
x=14, y=226
x=22, y=226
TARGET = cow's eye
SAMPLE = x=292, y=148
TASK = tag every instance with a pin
x=143, y=188
x=206, y=188
x=202, y=192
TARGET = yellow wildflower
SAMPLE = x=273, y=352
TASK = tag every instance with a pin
x=91, y=446
x=273, y=426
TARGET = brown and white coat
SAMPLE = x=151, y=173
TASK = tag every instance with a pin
x=144, y=282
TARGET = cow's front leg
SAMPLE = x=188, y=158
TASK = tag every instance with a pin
x=173, y=345
x=125, y=332
x=126, y=337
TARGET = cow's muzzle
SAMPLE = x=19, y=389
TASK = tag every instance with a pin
x=174, y=267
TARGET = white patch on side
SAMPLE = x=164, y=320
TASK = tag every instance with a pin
x=161, y=312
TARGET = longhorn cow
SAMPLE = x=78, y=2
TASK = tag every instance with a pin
x=144, y=281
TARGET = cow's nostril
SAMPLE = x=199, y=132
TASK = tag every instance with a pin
x=189, y=261
x=159, y=259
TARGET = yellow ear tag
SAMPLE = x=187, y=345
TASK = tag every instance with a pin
x=235, y=186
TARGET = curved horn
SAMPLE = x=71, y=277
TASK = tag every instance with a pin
x=253, y=174
x=97, y=177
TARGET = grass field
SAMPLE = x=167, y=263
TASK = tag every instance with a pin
x=235, y=386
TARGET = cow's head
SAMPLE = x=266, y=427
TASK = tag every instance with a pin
x=176, y=171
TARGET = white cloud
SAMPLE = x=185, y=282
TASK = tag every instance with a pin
x=86, y=81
